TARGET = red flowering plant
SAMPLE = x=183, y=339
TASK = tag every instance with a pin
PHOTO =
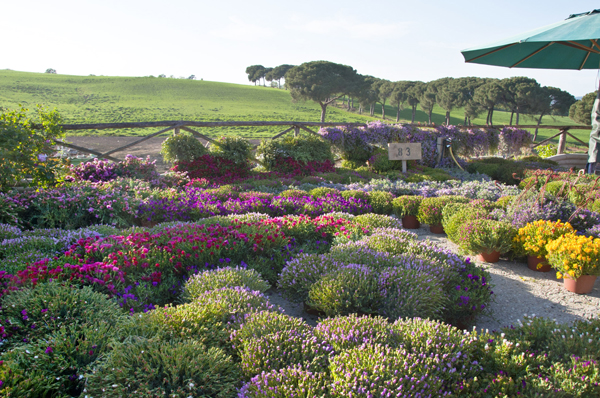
x=218, y=170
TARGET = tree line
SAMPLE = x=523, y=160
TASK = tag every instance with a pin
x=325, y=82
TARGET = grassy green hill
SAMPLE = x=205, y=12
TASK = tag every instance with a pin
x=102, y=99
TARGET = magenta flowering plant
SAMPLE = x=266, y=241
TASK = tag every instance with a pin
x=99, y=170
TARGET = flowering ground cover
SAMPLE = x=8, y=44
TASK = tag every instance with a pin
x=185, y=300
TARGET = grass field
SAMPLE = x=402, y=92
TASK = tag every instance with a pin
x=102, y=99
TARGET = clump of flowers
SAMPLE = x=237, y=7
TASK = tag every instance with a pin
x=293, y=381
x=485, y=236
x=407, y=205
x=533, y=237
x=574, y=255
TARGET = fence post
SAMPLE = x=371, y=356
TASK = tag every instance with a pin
x=562, y=141
x=296, y=131
x=440, y=149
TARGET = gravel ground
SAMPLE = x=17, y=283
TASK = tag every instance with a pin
x=518, y=291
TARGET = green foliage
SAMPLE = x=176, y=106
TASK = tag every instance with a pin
x=505, y=201
x=26, y=147
x=357, y=162
x=303, y=148
x=407, y=205
x=347, y=290
x=36, y=312
x=484, y=235
x=154, y=368
x=235, y=149
x=389, y=240
x=8, y=231
x=381, y=163
x=322, y=192
x=545, y=151
x=430, y=209
x=581, y=110
x=223, y=277
x=259, y=324
x=181, y=147
x=357, y=194
x=381, y=202
x=454, y=215
x=281, y=349
x=293, y=193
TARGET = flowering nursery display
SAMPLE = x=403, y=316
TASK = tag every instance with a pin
x=121, y=281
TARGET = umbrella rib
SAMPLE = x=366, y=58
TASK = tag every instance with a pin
x=585, y=60
x=578, y=46
x=595, y=43
x=491, y=52
x=533, y=53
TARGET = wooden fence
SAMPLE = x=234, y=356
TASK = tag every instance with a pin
x=291, y=126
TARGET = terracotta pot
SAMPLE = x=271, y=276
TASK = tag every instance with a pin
x=410, y=222
x=582, y=285
x=436, y=229
x=538, y=264
x=492, y=257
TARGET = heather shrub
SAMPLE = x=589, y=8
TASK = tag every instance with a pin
x=300, y=274
x=8, y=231
x=382, y=370
x=389, y=240
x=455, y=215
x=350, y=289
x=259, y=324
x=281, y=349
x=182, y=147
x=411, y=293
x=345, y=332
x=483, y=235
x=223, y=277
x=381, y=202
x=469, y=294
x=154, y=368
x=33, y=313
x=406, y=205
x=287, y=382
x=360, y=253
x=579, y=377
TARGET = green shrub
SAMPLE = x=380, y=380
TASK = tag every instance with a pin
x=259, y=324
x=430, y=209
x=345, y=332
x=371, y=221
x=332, y=177
x=381, y=163
x=303, y=149
x=55, y=365
x=485, y=235
x=360, y=253
x=350, y=289
x=293, y=193
x=355, y=194
x=223, y=277
x=36, y=312
x=578, y=378
x=353, y=164
x=389, y=240
x=209, y=318
x=287, y=382
x=154, y=368
x=406, y=205
x=234, y=149
x=381, y=202
x=545, y=151
x=382, y=370
x=558, y=188
x=281, y=349
x=323, y=191
x=581, y=339
x=182, y=147
x=300, y=274
x=505, y=201
x=455, y=215
x=411, y=293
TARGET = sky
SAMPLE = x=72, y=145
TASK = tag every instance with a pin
x=216, y=40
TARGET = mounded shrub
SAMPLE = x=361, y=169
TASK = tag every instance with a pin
x=223, y=277
x=455, y=215
x=282, y=349
x=182, y=147
x=323, y=191
x=378, y=370
x=406, y=205
x=154, y=368
x=350, y=289
x=381, y=202
x=389, y=240
x=304, y=154
x=259, y=324
x=345, y=332
x=357, y=194
x=301, y=273
x=370, y=221
x=430, y=209
x=287, y=382
x=234, y=149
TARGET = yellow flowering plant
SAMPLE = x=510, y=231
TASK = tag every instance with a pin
x=531, y=240
x=574, y=255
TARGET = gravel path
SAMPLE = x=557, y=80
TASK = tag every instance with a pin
x=518, y=291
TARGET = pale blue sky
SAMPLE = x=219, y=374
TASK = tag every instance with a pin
x=216, y=40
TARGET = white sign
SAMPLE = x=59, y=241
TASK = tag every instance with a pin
x=398, y=151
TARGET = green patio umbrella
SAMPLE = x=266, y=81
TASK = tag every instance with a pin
x=570, y=44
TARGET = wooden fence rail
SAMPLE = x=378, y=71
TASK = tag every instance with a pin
x=291, y=126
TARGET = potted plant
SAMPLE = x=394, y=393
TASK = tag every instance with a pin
x=532, y=239
x=486, y=238
x=575, y=258
x=407, y=208
x=430, y=211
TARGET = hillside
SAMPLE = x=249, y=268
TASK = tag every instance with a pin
x=103, y=99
